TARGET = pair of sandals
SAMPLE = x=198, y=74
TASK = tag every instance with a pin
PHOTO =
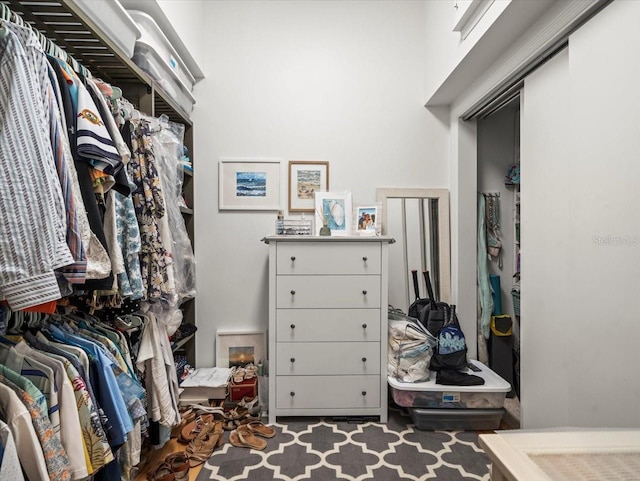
x=247, y=372
x=210, y=437
x=175, y=467
x=249, y=433
x=236, y=416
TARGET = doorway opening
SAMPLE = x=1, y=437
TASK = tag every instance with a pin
x=498, y=186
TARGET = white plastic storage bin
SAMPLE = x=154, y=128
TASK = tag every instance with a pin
x=429, y=395
x=148, y=60
x=152, y=37
x=114, y=21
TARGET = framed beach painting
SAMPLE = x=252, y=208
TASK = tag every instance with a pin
x=333, y=210
x=239, y=348
x=306, y=177
x=249, y=185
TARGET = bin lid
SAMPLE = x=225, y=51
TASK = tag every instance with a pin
x=492, y=382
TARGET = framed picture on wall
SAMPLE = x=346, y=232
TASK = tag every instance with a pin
x=306, y=177
x=333, y=209
x=249, y=185
x=239, y=348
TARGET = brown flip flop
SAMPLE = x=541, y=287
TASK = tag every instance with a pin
x=244, y=438
x=257, y=427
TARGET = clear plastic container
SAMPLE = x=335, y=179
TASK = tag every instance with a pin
x=293, y=227
x=429, y=395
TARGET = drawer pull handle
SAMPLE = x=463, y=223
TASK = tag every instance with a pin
x=293, y=326
x=293, y=359
x=364, y=292
x=364, y=326
x=293, y=293
x=365, y=258
x=292, y=394
x=364, y=359
x=293, y=258
x=364, y=393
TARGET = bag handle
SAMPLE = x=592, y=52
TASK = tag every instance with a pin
x=416, y=289
x=427, y=280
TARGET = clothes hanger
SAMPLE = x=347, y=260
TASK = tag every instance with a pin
x=6, y=13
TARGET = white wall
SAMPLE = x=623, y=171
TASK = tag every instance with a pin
x=581, y=265
x=304, y=80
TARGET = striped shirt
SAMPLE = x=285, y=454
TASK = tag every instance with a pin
x=33, y=235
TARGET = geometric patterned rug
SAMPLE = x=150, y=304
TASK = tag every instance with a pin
x=321, y=449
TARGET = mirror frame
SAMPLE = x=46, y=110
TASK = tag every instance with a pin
x=444, y=242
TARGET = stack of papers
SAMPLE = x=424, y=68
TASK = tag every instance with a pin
x=204, y=384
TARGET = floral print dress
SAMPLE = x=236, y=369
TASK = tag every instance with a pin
x=149, y=205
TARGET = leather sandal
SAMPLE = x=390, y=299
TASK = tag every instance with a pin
x=237, y=413
x=239, y=375
x=252, y=405
x=250, y=370
x=242, y=437
x=179, y=464
x=260, y=429
x=191, y=430
x=185, y=418
x=207, y=440
x=162, y=472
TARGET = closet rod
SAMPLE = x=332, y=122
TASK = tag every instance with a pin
x=37, y=27
x=491, y=194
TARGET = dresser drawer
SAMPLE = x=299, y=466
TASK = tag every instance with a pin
x=327, y=291
x=320, y=358
x=322, y=325
x=321, y=392
x=338, y=258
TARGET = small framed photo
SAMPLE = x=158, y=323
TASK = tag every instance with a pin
x=240, y=348
x=306, y=177
x=333, y=209
x=367, y=220
x=249, y=185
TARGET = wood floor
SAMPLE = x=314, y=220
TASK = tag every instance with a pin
x=157, y=456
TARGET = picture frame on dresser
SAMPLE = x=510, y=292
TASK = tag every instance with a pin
x=306, y=177
x=333, y=209
x=367, y=219
x=249, y=184
x=239, y=348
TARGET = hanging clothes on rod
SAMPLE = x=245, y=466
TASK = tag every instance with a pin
x=81, y=254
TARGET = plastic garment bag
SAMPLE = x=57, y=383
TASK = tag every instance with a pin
x=168, y=147
x=410, y=348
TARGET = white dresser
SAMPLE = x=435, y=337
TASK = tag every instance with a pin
x=328, y=326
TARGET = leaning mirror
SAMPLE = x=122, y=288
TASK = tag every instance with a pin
x=418, y=219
